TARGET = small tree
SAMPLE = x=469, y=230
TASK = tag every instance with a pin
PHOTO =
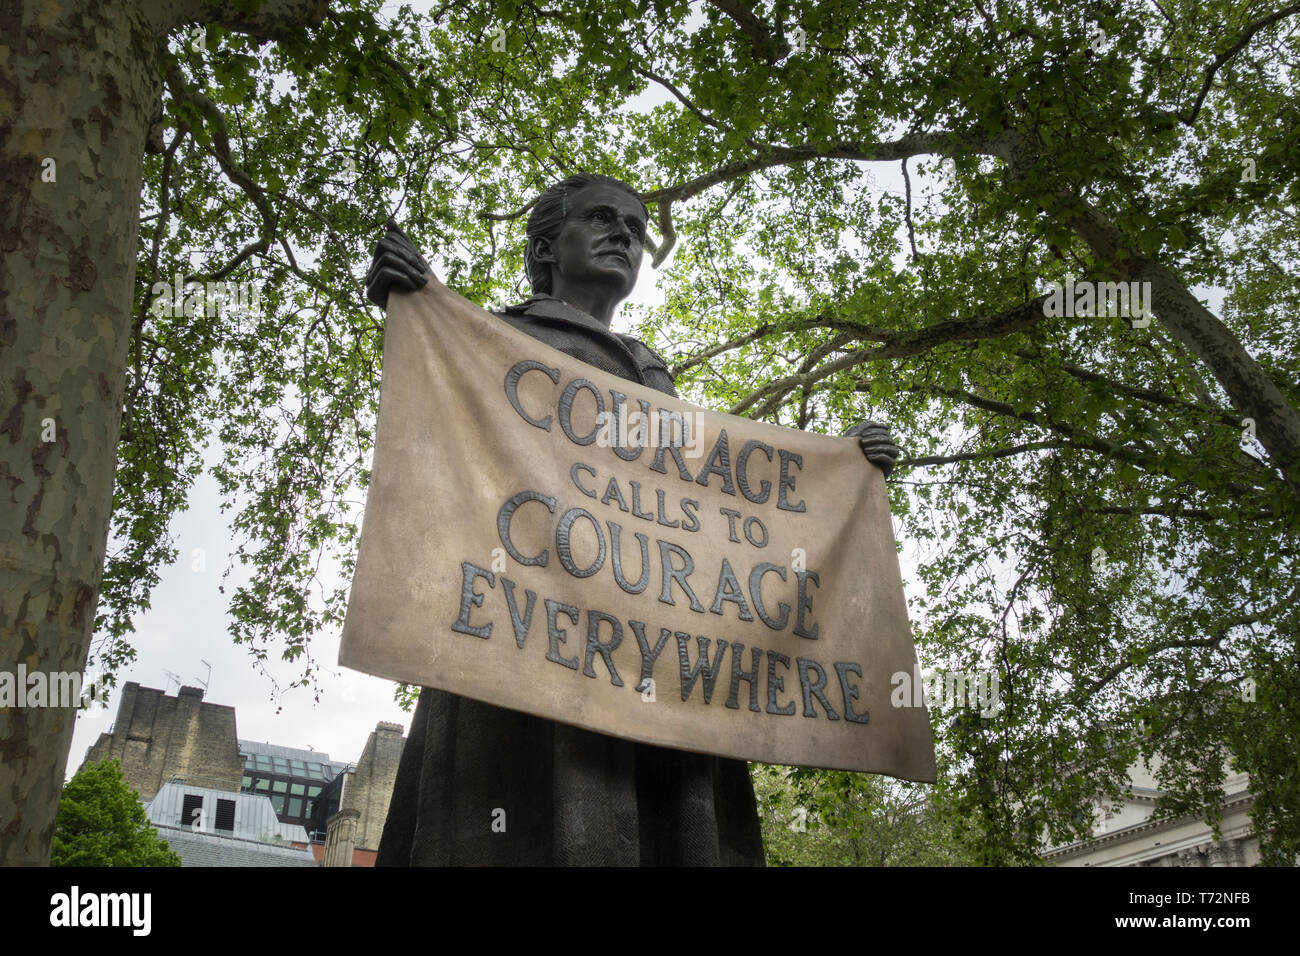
x=101, y=822
x=836, y=818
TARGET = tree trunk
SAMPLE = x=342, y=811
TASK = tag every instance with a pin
x=1255, y=395
x=1250, y=389
x=77, y=91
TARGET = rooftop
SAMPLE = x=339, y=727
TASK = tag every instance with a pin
x=290, y=753
x=218, y=849
x=253, y=820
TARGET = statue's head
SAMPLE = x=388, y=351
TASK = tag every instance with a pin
x=587, y=228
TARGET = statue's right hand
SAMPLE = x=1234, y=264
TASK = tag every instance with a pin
x=397, y=264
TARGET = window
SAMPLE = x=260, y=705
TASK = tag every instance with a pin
x=263, y=762
x=281, y=765
x=262, y=786
x=280, y=786
x=295, y=807
x=278, y=803
x=299, y=768
x=225, y=814
x=297, y=789
x=246, y=783
x=313, y=791
x=191, y=810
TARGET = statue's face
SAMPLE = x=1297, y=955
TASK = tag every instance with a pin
x=602, y=239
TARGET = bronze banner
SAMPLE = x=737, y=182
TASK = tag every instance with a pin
x=544, y=536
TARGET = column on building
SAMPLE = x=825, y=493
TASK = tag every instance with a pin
x=341, y=838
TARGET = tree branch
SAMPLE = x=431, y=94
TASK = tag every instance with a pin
x=772, y=328
x=146, y=302
x=1077, y=437
x=1170, y=511
x=983, y=455
x=1163, y=13
x=1252, y=391
x=1214, y=640
x=941, y=143
x=508, y=216
x=667, y=235
x=764, y=45
x=1145, y=394
x=682, y=98
x=907, y=212
x=1189, y=117
x=899, y=345
x=268, y=20
x=220, y=150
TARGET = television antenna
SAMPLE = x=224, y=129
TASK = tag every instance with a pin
x=205, y=683
x=173, y=676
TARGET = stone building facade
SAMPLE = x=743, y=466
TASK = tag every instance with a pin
x=162, y=740
x=368, y=788
x=341, y=840
x=159, y=739
x=1125, y=834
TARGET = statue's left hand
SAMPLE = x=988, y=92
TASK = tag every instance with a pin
x=876, y=443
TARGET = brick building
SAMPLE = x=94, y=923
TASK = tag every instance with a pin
x=159, y=739
x=162, y=740
x=366, y=787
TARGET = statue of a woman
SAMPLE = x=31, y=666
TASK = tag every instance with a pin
x=483, y=785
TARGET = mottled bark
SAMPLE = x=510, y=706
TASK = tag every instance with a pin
x=79, y=85
x=78, y=89
x=1252, y=391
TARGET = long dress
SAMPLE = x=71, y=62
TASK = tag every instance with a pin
x=483, y=785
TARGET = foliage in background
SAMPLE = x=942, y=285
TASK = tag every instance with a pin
x=102, y=823
x=835, y=818
x=1118, y=141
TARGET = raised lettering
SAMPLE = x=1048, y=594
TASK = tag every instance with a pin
x=512, y=389
x=469, y=574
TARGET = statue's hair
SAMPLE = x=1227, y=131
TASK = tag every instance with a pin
x=548, y=216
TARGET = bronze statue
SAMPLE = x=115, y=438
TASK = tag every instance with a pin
x=480, y=784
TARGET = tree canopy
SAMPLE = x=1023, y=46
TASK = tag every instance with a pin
x=102, y=823
x=1104, y=507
